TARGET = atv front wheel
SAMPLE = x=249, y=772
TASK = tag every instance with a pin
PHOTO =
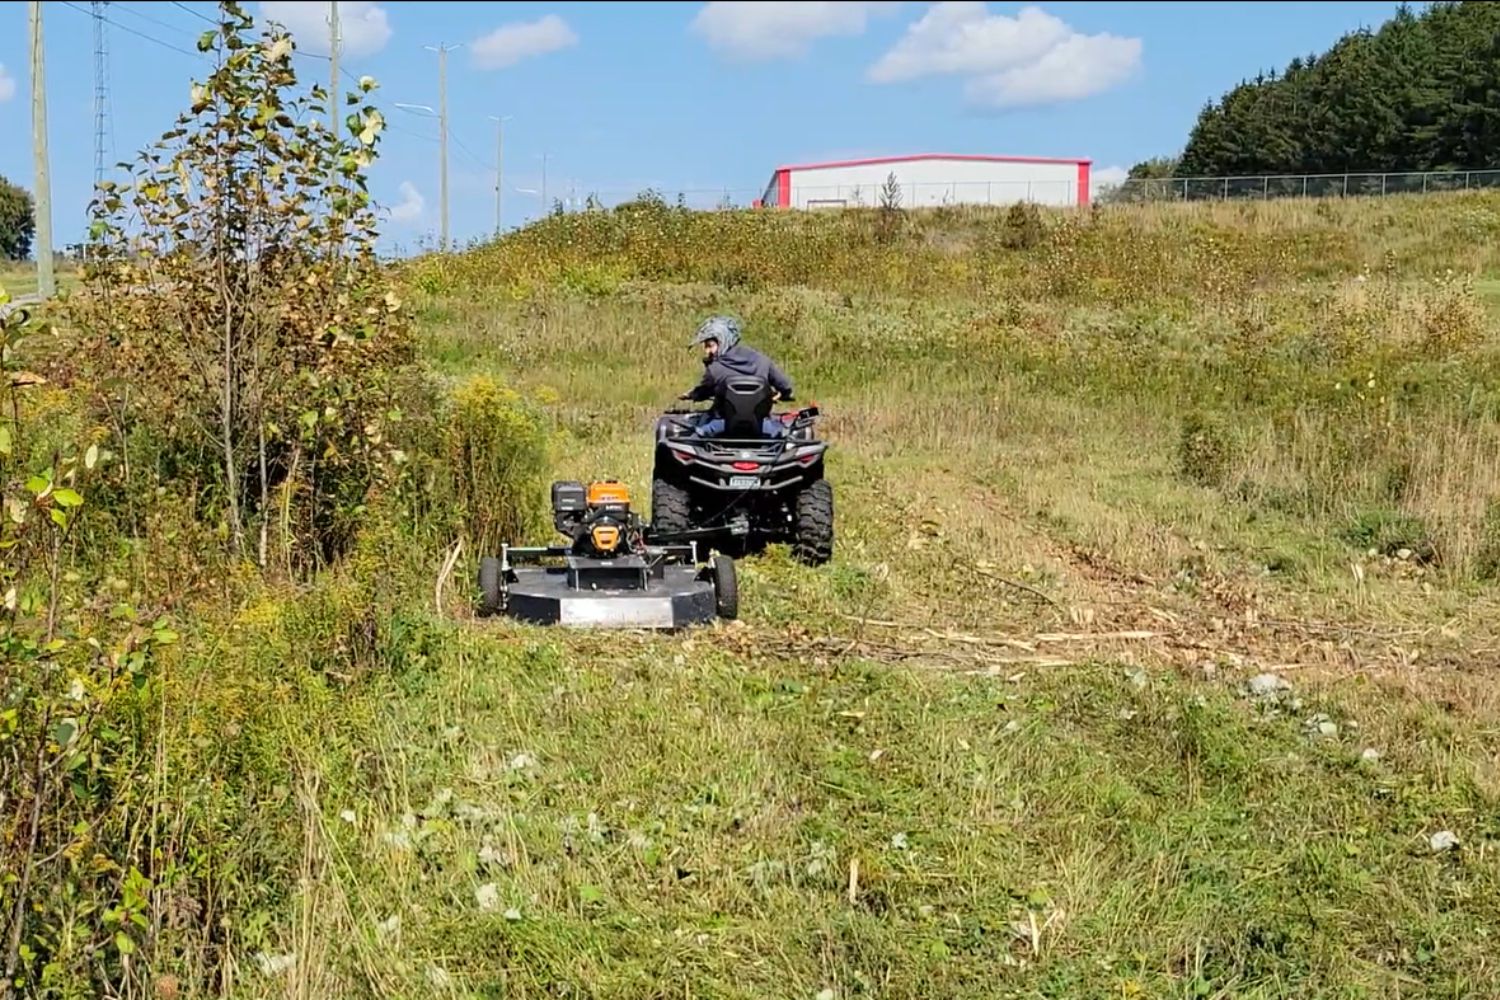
x=812, y=541
x=671, y=508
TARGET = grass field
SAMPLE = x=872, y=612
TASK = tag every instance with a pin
x=20, y=278
x=907, y=773
x=1156, y=658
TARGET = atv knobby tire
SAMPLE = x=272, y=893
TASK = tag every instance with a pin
x=812, y=541
x=671, y=508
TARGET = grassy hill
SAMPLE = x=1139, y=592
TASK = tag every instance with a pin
x=1156, y=657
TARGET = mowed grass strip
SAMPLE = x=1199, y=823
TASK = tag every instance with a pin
x=572, y=815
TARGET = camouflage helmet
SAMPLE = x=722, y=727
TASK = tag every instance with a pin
x=724, y=329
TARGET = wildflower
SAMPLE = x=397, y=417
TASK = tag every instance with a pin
x=487, y=896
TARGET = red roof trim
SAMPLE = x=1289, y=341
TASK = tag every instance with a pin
x=971, y=157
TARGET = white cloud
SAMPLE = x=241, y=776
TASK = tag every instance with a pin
x=7, y=85
x=411, y=206
x=363, y=26
x=1027, y=60
x=775, y=30
x=510, y=43
x=1102, y=179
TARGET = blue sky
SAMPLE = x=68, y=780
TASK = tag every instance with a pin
x=704, y=98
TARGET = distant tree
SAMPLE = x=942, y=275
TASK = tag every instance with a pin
x=1148, y=180
x=1153, y=169
x=890, y=193
x=1023, y=226
x=649, y=200
x=1415, y=94
x=17, y=221
x=888, y=223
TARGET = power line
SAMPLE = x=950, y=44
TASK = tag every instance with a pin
x=147, y=17
x=138, y=34
x=196, y=13
x=472, y=155
x=406, y=131
x=344, y=71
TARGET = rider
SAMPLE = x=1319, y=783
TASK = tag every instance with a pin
x=725, y=358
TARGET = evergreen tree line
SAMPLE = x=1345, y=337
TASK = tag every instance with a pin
x=1421, y=93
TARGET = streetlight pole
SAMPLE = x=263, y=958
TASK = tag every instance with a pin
x=442, y=51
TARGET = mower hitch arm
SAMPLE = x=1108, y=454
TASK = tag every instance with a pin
x=681, y=537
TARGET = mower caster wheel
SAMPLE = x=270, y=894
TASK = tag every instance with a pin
x=726, y=588
x=491, y=598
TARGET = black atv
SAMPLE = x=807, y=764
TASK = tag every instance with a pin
x=743, y=488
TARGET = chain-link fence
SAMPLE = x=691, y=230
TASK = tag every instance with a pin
x=937, y=194
x=1266, y=187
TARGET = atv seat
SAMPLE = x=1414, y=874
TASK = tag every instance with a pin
x=744, y=405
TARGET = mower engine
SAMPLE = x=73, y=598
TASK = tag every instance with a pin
x=596, y=519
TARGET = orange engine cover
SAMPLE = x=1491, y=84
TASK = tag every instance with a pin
x=608, y=492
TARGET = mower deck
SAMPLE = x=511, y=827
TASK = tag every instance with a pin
x=650, y=591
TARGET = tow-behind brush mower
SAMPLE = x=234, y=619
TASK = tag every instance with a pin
x=610, y=574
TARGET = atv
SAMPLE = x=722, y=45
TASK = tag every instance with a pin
x=742, y=489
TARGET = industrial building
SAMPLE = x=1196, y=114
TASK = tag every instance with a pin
x=930, y=180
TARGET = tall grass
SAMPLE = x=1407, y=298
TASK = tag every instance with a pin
x=1327, y=360
x=1113, y=254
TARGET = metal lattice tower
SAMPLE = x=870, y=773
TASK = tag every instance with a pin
x=101, y=88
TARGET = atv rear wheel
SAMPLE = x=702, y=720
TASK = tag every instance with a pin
x=671, y=507
x=812, y=541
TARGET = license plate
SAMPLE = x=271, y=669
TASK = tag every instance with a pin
x=744, y=482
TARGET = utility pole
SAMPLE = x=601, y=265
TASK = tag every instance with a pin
x=442, y=51
x=499, y=165
x=45, y=285
x=546, y=205
x=335, y=106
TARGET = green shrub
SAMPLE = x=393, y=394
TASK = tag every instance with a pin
x=1389, y=532
x=1023, y=226
x=1204, y=449
x=497, y=456
x=1487, y=554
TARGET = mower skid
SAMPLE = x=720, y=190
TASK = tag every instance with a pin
x=676, y=600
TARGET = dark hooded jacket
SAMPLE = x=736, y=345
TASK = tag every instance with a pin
x=739, y=361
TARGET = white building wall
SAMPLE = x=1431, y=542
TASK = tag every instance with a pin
x=935, y=182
